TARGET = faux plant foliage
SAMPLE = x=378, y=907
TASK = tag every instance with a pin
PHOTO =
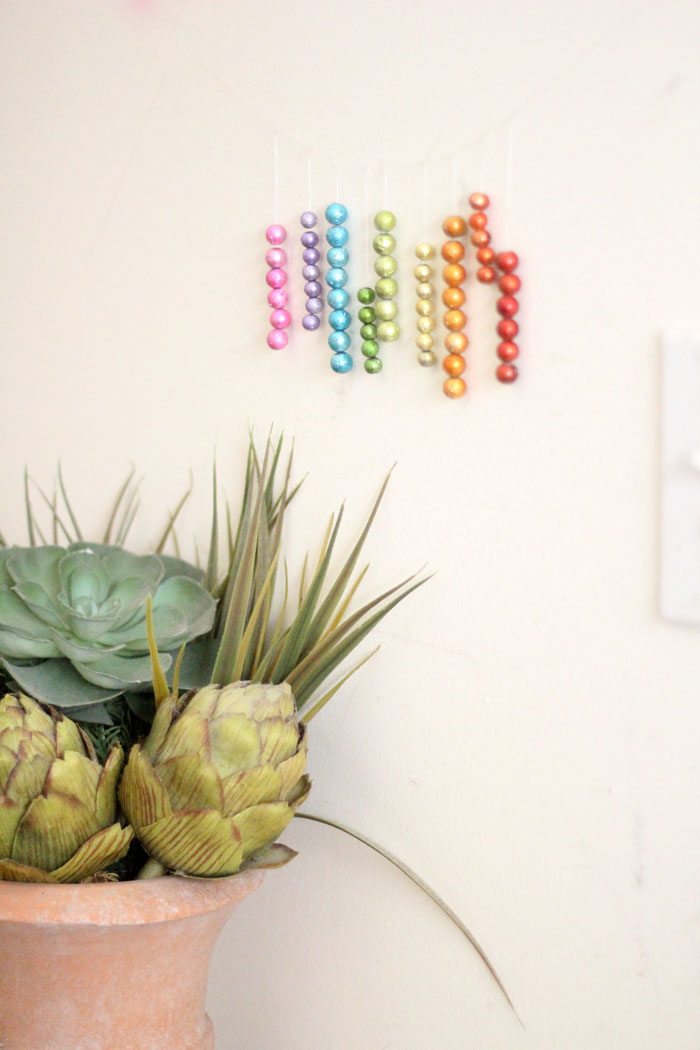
x=80, y=610
x=57, y=803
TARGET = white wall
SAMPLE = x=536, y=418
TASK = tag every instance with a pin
x=527, y=737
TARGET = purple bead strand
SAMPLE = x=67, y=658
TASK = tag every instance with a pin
x=311, y=273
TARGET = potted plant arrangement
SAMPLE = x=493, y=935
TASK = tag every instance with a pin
x=153, y=734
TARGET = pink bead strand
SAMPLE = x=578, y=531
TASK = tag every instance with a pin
x=277, y=297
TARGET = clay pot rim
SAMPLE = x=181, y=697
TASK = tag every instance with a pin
x=123, y=903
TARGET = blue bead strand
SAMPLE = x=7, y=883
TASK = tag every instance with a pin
x=336, y=278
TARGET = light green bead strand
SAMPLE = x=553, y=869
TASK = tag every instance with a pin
x=388, y=331
x=386, y=309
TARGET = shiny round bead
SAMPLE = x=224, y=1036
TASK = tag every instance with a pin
x=336, y=214
x=276, y=234
x=337, y=256
x=280, y=318
x=507, y=261
x=311, y=273
x=426, y=358
x=276, y=277
x=386, y=288
x=309, y=239
x=341, y=362
x=454, y=364
x=480, y=238
x=388, y=331
x=384, y=244
x=337, y=236
x=311, y=322
x=373, y=365
x=423, y=272
x=452, y=251
x=509, y=284
x=425, y=307
x=454, y=273
x=425, y=290
x=367, y=314
x=276, y=257
x=385, y=220
x=277, y=339
x=478, y=221
x=425, y=324
x=311, y=255
x=424, y=341
x=338, y=298
x=339, y=341
x=507, y=329
x=385, y=265
x=479, y=201
x=456, y=342
x=454, y=387
x=507, y=351
x=278, y=297
x=507, y=306
x=506, y=373
x=339, y=319
x=313, y=289
x=370, y=348
x=366, y=295
x=386, y=309
x=485, y=256
x=308, y=219
x=368, y=331
x=314, y=305
x=424, y=251
x=454, y=226
x=337, y=277
x=486, y=274
x=455, y=320
x=453, y=297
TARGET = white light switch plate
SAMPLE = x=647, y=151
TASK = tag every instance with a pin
x=680, y=479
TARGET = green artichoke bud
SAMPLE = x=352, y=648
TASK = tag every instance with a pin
x=217, y=779
x=81, y=609
x=57, y=803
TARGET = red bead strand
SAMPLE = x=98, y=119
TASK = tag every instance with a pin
x=507, y=306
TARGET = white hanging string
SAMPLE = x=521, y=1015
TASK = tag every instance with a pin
x=367, y=235
x=276, y=202
x=509, y=188
x=425, y=197
x=308, y=179
x=337, y=183
x=455, y=182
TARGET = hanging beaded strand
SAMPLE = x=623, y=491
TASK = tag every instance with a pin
x=507, y=306
x=386, y=287
x=481, y=238
x=367, y=316
x=453, y=297
x=277, y=297
x=336, y=279
x=313, y=289
x=425, y=305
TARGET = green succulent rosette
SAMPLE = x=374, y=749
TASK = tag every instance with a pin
x=72, y=619
x=57, y=803
x=218, y=778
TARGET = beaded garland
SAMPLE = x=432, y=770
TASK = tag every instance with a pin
x=453, y=297
x=386, y=287
x=313, y=289
x=277, y=297
x=336, y=278
x=425, y=305
x=367, y=316
x=507, y=306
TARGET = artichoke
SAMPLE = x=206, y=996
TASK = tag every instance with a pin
x=57, y=803
x=217, y=779
x=81, y=610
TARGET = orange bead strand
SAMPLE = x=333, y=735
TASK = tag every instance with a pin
x=454, y=319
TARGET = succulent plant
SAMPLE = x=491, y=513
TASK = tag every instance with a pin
x=217, y=779
x=57, y=804
x=80, y=610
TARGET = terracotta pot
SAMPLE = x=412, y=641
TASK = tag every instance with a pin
x=111, y=966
